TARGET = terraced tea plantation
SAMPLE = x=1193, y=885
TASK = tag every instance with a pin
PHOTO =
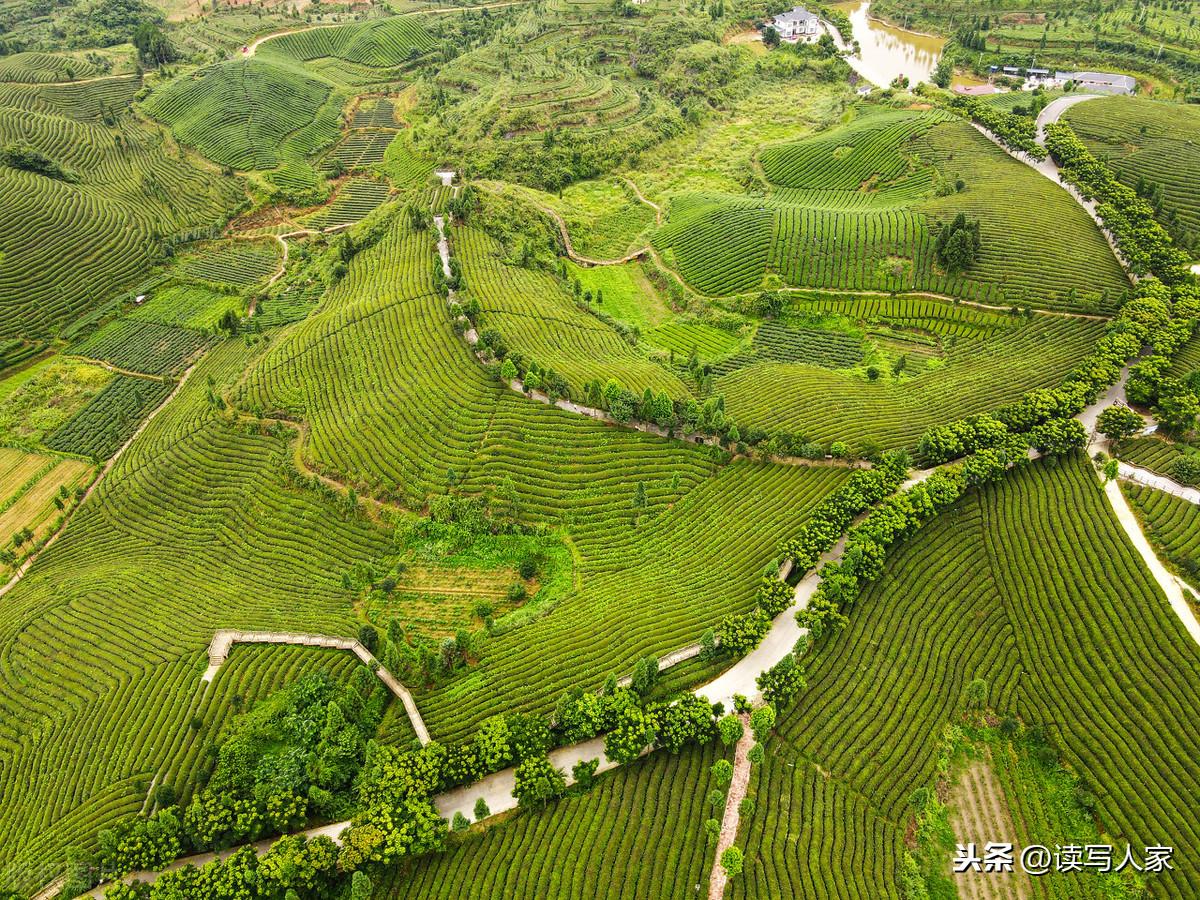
x=1154, y=148
x=585, y=449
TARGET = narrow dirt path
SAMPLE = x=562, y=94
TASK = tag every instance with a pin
x=733, y=800
x=658, y=212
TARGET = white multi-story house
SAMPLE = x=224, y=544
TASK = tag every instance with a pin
x=798, y=25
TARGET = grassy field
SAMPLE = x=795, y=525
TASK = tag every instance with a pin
x=974, y=595
x=604, y=218
x=1154, y=146
x=642, y=826
x=627, y=294
x=36, y=402
x=872, y=226
x=32, y=487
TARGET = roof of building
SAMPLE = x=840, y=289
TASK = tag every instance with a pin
x=1124, y=81
x=796, y=14
x=1039, y=71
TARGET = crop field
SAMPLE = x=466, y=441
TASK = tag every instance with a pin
x=110, y=417
x=67, y=244
x=105, y=718
x=1149, y=452
x=1173, y=526
x=681, y=338
x=874, y=228
x=1187, y=360
x=380, y=44
x=235, y=393
x=39, y=68
x=186, y=306
x=251, y=673
x=354, y=200
x=377, y=112
x=832, y=349
x=978, y=376
x=239, y=112
x=859, y=165
x=1039, y=554
x=319, y=371
x=234, y=263
x=145, y=347
x=538, y=318
x=1152, y=143
x=643, y=827
x=948, y=322
x=362, y=147
x=29, y=486
x=815, y=836
x=608, y=621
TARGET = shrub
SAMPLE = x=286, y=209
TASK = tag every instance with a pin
x=731, y=861
x=762, y=720
x=731, y=729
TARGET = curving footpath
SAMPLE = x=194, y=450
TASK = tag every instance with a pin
x=223, y=641
x=1171, y=586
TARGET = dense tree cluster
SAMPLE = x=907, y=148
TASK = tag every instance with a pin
x=23, y=155
x=833, y=515
x=1160, y=317
x=1017, y=132
x=897, y=517
x=293, y=755
x=957, y=244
